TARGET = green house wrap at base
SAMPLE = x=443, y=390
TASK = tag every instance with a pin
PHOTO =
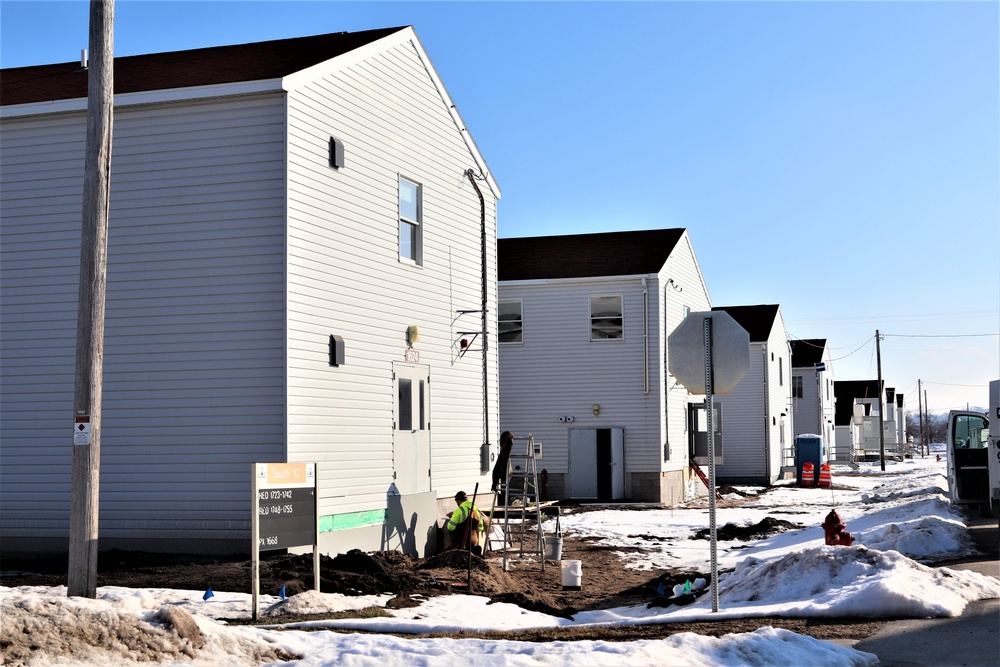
x=333, y=522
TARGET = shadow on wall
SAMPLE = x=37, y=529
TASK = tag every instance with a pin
x=402, y=534
x=399, y=534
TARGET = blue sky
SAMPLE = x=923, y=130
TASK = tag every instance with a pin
x=841, y=159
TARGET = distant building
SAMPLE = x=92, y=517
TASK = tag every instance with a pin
x=857, y=421
x=584, y=321
x=812, y=389
x=755, y=414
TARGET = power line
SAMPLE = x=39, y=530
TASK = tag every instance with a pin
x=901, y=317
x=941, y=335
x=828, y=346
x=948, y=384
x=858, y=348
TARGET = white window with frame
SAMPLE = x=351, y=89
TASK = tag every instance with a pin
x=510, y=321
x=607, y=321
x=410, y=221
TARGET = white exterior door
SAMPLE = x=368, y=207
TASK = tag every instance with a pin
x=411, y=440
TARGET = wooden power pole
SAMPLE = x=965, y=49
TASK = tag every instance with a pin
x=920, y=418
x=84, y=485
x=881, y=405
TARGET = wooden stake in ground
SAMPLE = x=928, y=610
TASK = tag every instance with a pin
x=468, y=536
x=84, y=485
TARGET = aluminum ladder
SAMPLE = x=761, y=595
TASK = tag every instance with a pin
x=522, y=522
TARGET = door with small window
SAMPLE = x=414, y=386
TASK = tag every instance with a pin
x=411, y=440
x=698, y=433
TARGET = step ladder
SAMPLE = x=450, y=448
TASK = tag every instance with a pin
x=704, y=478
x=522, y=521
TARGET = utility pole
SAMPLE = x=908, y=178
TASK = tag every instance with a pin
x=920, y=417
x=84, y=483
x=927, y=420
x=881, y=417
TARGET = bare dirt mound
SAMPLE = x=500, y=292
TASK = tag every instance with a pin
x=766, y=527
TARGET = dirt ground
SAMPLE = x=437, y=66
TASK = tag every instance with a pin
x=606, y=583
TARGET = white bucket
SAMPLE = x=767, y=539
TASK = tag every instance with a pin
x=572, y=573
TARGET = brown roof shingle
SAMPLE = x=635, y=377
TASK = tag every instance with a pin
x=585, y=255
x=757, y=320
x=807, y=352
x=180, y=69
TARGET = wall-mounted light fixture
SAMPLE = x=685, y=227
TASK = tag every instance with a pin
x=596, y=409
x=412, y=334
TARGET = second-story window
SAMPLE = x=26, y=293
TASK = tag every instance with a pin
x=410, y=221
x=510, y=322
x=796, y=386
x=606, y=319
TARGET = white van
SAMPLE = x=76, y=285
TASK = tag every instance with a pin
x=973, y=449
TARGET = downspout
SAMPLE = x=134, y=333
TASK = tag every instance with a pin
x=482, y=235
x=767, y=416
x=666, y=380
x=666, y=364
x=645, y=337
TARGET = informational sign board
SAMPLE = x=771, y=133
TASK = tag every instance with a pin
x=286, y=505
x=284, y=509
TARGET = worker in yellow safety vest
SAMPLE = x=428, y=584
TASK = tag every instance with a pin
x=466, y=525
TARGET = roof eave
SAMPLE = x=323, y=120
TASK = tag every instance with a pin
x=147, y=97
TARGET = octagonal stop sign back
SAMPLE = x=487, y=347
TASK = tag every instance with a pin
x=730, y=352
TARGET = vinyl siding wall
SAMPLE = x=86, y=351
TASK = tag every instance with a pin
x=752, y=423
x=814, y=411
x=807, y=408
x=779, y=397
x=345, y=278
x=193, y=368
x=558, y=370
x=682, y=267
x=827, y=401
x=744, y=422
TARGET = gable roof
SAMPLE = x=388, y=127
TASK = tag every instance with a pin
x=276, y=62
x=757, y=320
x=807, y=352
x=585, y=255
x=181, y=69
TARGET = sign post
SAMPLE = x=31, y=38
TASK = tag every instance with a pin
x=709, y=354
x=284, y=510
